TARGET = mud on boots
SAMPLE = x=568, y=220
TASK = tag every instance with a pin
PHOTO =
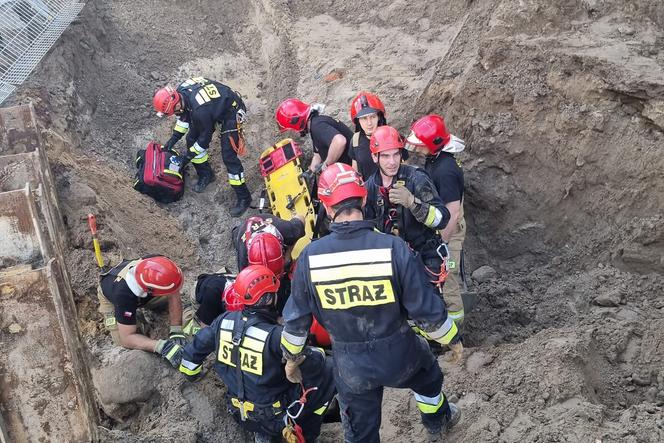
x=242, y=198
x=205, y=176
x=201, y=106
x=363, y=286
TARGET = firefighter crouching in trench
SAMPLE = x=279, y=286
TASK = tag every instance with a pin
x=150, y=282
x=248, y=359
x=363, y=286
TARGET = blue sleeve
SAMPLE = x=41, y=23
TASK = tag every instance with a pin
x=420, y=297
x=297, y=312
x=195, y=353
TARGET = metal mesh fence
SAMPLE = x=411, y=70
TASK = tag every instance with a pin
x=28, y=29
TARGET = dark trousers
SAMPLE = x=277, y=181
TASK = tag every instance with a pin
x=399, y=361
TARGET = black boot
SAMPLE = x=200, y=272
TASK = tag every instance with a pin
x=205, y=176
x=439, y=423
x=243, y=200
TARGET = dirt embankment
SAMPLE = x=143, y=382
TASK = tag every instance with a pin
x=562, y=108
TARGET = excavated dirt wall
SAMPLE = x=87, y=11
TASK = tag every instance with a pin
x=562, y=107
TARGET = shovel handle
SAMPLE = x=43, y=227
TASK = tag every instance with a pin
x=92, y=222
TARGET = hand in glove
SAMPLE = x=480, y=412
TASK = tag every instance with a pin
x=400, y=195
x=457, y=352
x=169, y=350
x=177, y=336
x=293, y=373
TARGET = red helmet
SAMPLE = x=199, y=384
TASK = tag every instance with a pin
x=159, y=276
x=231, y=299
x=385, y=138
x=430, y=131
x=339, y=182
x=266, y=249
x=365, y=103
x=165, y=100
x=320, y=334
x=253, y=282
x=292, y=114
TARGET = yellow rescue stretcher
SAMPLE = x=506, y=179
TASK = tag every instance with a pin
x=286, y=190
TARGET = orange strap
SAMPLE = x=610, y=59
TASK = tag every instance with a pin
x=241, y=147
x=441, y=276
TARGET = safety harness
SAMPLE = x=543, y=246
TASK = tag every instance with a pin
x=292, y=432
x=239, y=329
x=441, y=275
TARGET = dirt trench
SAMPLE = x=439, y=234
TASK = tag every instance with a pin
x=562, y=108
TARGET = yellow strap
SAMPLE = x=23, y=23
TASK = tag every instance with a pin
x=171, y=172
x=247, y=406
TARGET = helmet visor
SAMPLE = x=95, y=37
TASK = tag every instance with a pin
x=413, y=142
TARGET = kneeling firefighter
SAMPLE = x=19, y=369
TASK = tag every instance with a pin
x=249, y=361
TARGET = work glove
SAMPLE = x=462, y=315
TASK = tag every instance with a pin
x=178, y=336
x=170, y=351
x=191, y=328
x=293, y=373
x=457, y=352
x=400, y=195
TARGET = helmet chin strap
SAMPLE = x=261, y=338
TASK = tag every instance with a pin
x=134, y=287
x=349, y=204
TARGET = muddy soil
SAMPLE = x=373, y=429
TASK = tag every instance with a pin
x=562, y=107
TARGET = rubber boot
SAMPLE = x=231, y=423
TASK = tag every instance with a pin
x=243, y=201
x=439, y=423
x=205, y=176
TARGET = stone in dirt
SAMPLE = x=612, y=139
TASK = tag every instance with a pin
x=484, y=274
x=113, y=384
x=608, y=299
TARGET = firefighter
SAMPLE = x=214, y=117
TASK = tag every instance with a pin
x=402, y=200
x=262, y=239
x=330, y=137
x=258, y=391
x=202, y=105
x=367, y=112
x=267, y=239
x=430, y=137
x=363, y=286
x=208, y=301
x=149, y=282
